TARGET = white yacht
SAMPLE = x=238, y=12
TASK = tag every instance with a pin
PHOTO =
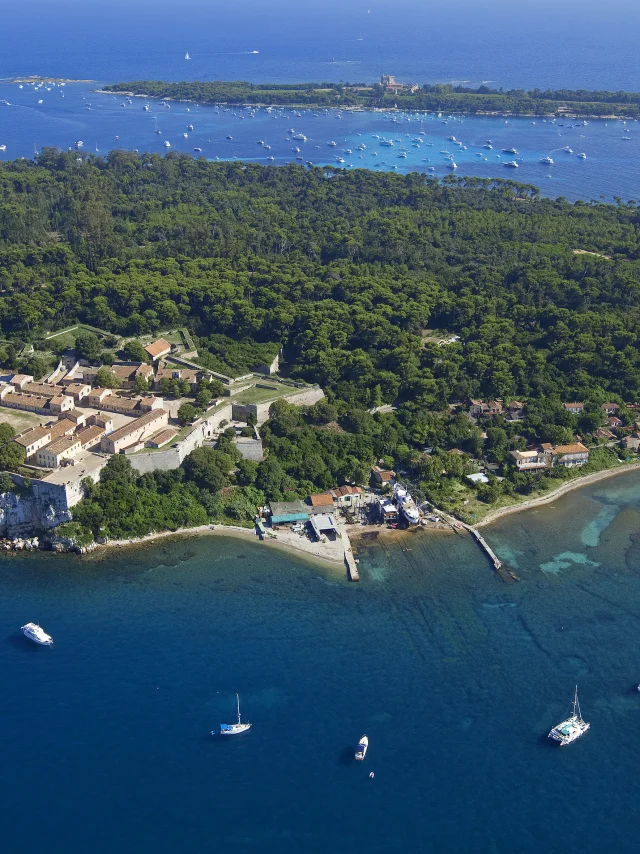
x=388, y=142
x=362, y=748
x=78, y=143
x=571, y=729
x=3, y=147
x=582, y=155
x=452, y=164
x=167, y=144
x=332, y=144
x=568, y=150
x=509, y=151
x=405, y=502
x=300, y=136
x=37, y=634
x=511, y=164
x=233, y=729
x=547, y=160
x=189, y=127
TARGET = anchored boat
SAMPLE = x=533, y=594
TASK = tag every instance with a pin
x=571, y=729
x=362, y=748
x=233, y=729
x=37, y=634
x=406, y=504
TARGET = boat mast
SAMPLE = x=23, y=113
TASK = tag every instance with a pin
x=576, y=703
x=238, y=699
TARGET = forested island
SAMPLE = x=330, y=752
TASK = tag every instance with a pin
x=438, y=97
x=406, y=298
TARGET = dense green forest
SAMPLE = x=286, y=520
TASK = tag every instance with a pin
x=356, y=275
x=445, y=97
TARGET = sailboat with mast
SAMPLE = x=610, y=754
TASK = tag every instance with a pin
x=573, y=728
x=234, y=729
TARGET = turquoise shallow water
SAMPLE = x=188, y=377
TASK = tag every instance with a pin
x=455, y=676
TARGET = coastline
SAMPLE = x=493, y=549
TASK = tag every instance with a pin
x=286, y=541
x=556, y=493
x=358, y=108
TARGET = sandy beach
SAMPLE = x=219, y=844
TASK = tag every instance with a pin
x=556, y=493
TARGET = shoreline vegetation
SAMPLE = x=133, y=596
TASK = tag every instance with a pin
x=572, y=103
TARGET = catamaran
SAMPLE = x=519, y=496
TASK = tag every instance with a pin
x=233, y=729
x=37, y=634
x=363, y=745
x=572, y=728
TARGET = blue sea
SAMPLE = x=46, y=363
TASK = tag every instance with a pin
x=557, y=44
x=455, y=676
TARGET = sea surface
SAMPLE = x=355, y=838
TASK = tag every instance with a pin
x=557, y=43
x=455, y=676
x=60, y=116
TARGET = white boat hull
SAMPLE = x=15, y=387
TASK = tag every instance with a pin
x=569, y=731
x=363, y=746
x=37, y=634
x=233, y=729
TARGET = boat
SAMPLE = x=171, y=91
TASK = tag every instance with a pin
x=452, y=138
x=572, y=728
x=254, y=51
x=300, y=136
x=146, y=108
x=197, y=149
x=568, y=150
x=186, y=56
x=4, y=103
x=189, y=127
x=582, y=155
x=167, y=144
x=229, y=137
x=37, y=634
x=185, y=135
x=388, y=142
x=488, y=145
x=233, y=729
x=547, y=160
x=404, y=501
x=511, y=164
x=332, y=143
x=452, y=164
x=363, y=746
x=78, y=143
x=3, y=147
x=509, y=151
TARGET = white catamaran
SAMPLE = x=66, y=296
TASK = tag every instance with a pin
x=572, y=728
x=233, y=729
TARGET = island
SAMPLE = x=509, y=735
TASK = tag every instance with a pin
x=389, y=94
x=186, y=343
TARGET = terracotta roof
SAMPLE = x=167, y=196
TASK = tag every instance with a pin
x=164, y=436
x=61, y=428
x=87, y=435
x=132, y=426
x=32, y=436
x=158, y=348
x=60, y=445
x=575, y=448
x=322, y=500
x=573, y=405
x=339, y=491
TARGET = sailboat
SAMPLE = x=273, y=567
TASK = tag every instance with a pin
x=571, y=729
x=233, y=729
x=186, y=56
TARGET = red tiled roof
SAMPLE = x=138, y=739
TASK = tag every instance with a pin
x=321, y=500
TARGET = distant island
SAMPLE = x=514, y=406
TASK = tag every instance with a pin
x=389, y=94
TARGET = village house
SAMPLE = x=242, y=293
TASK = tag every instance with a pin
x=381, y=475
x=78, y=391
x=90, y=436
x=97, y=395
x=603, y=433
x=76, y=416
x=42, y=389
x=53, y=454
x=61, y=403
x=479, y=408
x=610, y=408
x=321, y=503
x=83, y=374
x=128, y=372
x=33, y=440
x=574, y=408
x=158, y=349
x=162, y=438
x=531, y=460
x=347, y=496
x=20, y=380
x=631, y=443
x=515, y=410
x=174, y=372
x=614, y=422
x=135, y=431
x=571, y=456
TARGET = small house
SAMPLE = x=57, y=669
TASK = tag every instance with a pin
x=382, y=476
x=158, y=349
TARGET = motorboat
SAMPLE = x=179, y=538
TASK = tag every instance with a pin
x=363, y=746
x=233, y=729
x=509, y=151
x=511, y=164
x=229, y=137
x=568, y=150
x=37, y=634
x=167, y=144
x=197, y=149
x=332, y=143
x=582, y=155
x=572, y=728
x=78, y=143
x=405, y=503
x=452, y=164
x=547, y=160
x=387, y=142
x=189, y=127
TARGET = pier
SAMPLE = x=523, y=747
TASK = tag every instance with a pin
x=504, y=572
x=352, y=566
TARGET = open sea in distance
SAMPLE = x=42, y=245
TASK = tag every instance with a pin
x=455, y=676
x=557, y=44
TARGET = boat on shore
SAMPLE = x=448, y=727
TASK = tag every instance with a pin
x=363, y=746
x=37, y=634
x=406, y=505
x=573, y=727
x=233, y=729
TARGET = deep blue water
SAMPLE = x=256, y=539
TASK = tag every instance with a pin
x=102, y=122
x=455, y=676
